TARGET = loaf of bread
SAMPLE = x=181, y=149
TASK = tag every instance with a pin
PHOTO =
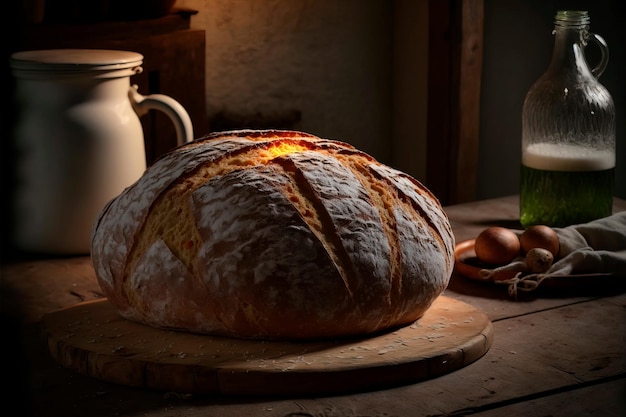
x=273, y=235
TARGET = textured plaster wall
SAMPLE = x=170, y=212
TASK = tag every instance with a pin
x=322, y=66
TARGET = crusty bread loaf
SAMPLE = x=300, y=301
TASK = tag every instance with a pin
x=273, y=235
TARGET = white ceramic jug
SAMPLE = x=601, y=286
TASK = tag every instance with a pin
x=79, y=141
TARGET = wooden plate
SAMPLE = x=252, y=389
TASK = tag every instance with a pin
x=467, y=264
x=92, y=339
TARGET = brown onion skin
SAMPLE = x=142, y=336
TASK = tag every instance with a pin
x=540, y=236
x=497, y=245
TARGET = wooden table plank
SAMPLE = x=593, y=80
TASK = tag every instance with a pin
x=594, y=400
x=532, y=356
x=35, y=287
x=556, y=355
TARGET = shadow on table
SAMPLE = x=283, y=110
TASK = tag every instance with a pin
x=593, y=285
x=506, y=223
x=51, y=390
x=467, y=286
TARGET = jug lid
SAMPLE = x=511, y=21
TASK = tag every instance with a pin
x=54, y=63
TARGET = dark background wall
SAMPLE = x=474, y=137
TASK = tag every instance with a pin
x=517, y=49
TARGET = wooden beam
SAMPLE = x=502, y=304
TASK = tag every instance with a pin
x=470, y=70
x=438, y=142
x=455, y=66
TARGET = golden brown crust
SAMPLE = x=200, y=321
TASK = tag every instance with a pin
x=276, y=235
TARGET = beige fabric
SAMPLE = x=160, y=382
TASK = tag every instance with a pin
x=597, y=247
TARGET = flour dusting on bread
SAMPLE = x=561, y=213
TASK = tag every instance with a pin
x=273, y=235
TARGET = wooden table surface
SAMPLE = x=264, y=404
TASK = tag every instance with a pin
x=553, y=354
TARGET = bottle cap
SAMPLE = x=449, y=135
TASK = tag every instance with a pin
x=572, y=18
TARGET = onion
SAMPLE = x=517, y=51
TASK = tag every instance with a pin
x=540, y=236
x=497, y=245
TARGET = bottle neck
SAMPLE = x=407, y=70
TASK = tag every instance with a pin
x=569, y=45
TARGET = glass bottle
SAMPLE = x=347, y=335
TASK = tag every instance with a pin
x=568, y=133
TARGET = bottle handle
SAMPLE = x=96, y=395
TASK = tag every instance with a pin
x=604, y=58
x=173, y=109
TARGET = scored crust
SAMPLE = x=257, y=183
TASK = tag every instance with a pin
x=273, y=235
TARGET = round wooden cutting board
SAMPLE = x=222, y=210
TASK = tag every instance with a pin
x=92, y=339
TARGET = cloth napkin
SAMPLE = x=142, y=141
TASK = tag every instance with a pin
x=597, y=247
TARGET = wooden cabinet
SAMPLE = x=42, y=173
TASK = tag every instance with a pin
x=174, y=64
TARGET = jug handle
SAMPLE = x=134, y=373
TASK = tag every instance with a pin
x=604, y=57
x=173, y=109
